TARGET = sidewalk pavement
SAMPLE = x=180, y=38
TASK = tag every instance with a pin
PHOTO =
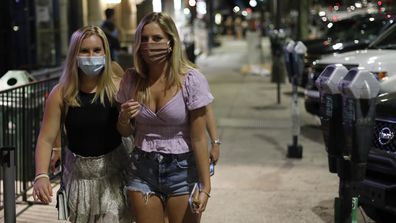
x=254, y=181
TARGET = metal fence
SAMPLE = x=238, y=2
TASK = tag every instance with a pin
x=21, y=112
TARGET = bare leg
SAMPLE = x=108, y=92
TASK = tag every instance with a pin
x=166, y=217
x=179, y=211
x=146, y=208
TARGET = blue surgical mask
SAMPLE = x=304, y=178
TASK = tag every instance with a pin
x=91, y=66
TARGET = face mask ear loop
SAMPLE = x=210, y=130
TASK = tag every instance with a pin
x=169, y=47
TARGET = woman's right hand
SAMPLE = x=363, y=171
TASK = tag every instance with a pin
x=203, y=201
x=42, y=190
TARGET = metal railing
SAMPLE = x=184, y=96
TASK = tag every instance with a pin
x=21, y=112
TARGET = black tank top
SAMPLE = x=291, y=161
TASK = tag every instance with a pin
x=91, y=129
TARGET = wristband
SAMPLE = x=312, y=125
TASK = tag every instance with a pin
x=56, y=149
x=40, y=175
x=207, y=194
x=216, y=141
x=123, y=123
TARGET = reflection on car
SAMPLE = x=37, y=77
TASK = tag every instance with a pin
x=378, y=58
x=346, y=35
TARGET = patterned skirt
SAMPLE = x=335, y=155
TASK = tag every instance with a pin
x=94, y=187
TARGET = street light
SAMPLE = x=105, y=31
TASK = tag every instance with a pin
x=253, y=3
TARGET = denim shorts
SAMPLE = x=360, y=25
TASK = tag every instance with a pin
x=165, y=175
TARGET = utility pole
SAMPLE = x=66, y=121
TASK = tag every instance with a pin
x=303, y=13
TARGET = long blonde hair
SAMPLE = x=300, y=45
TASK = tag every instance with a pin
x=178, y=64
x=69, y=80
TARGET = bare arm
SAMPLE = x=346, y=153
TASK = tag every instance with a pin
x=56, y=152
x=211, y=127
x=46, y=139
x=200, y=149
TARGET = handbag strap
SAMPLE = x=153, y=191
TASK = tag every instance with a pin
x=63, y=141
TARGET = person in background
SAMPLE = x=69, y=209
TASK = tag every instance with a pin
x=94, y=160
x=238, y=28
x=229, y=26
x=171, y=154
x=112, y=33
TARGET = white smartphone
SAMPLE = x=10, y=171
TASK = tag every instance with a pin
x=211, y=169
x=193, y=200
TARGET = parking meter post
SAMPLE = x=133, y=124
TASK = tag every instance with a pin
x=7, y=158
x=295, y=68
x=344, y=191
x=331, y=112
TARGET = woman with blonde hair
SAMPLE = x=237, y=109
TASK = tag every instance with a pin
x=83, y=101
x=171, y=154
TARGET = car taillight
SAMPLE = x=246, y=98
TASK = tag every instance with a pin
x=381, y=75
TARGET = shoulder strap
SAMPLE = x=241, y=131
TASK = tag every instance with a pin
x=184, y=89
x=63, y=140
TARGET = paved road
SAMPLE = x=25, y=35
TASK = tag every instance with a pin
x=254, y=182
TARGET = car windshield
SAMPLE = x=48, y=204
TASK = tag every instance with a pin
x=337, y=29
x=366, y=29
x=387, y=41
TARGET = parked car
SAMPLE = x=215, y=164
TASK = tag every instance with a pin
x=377, y=192
x=354, y=33
x=378, y=58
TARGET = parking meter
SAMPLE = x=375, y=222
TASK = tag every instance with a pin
x=294, y=61
x=359, y=89
x=289, y=58
x=277, y=39
x=331, y=111
x=298, y=60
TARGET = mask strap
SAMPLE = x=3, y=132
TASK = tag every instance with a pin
x=169, y=47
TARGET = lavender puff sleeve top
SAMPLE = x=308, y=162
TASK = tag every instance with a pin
x=168, y=129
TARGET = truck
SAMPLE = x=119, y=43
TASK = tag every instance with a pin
x=378, y=58
x=377, y=192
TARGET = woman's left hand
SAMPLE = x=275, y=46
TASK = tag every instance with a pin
x=129, y=110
